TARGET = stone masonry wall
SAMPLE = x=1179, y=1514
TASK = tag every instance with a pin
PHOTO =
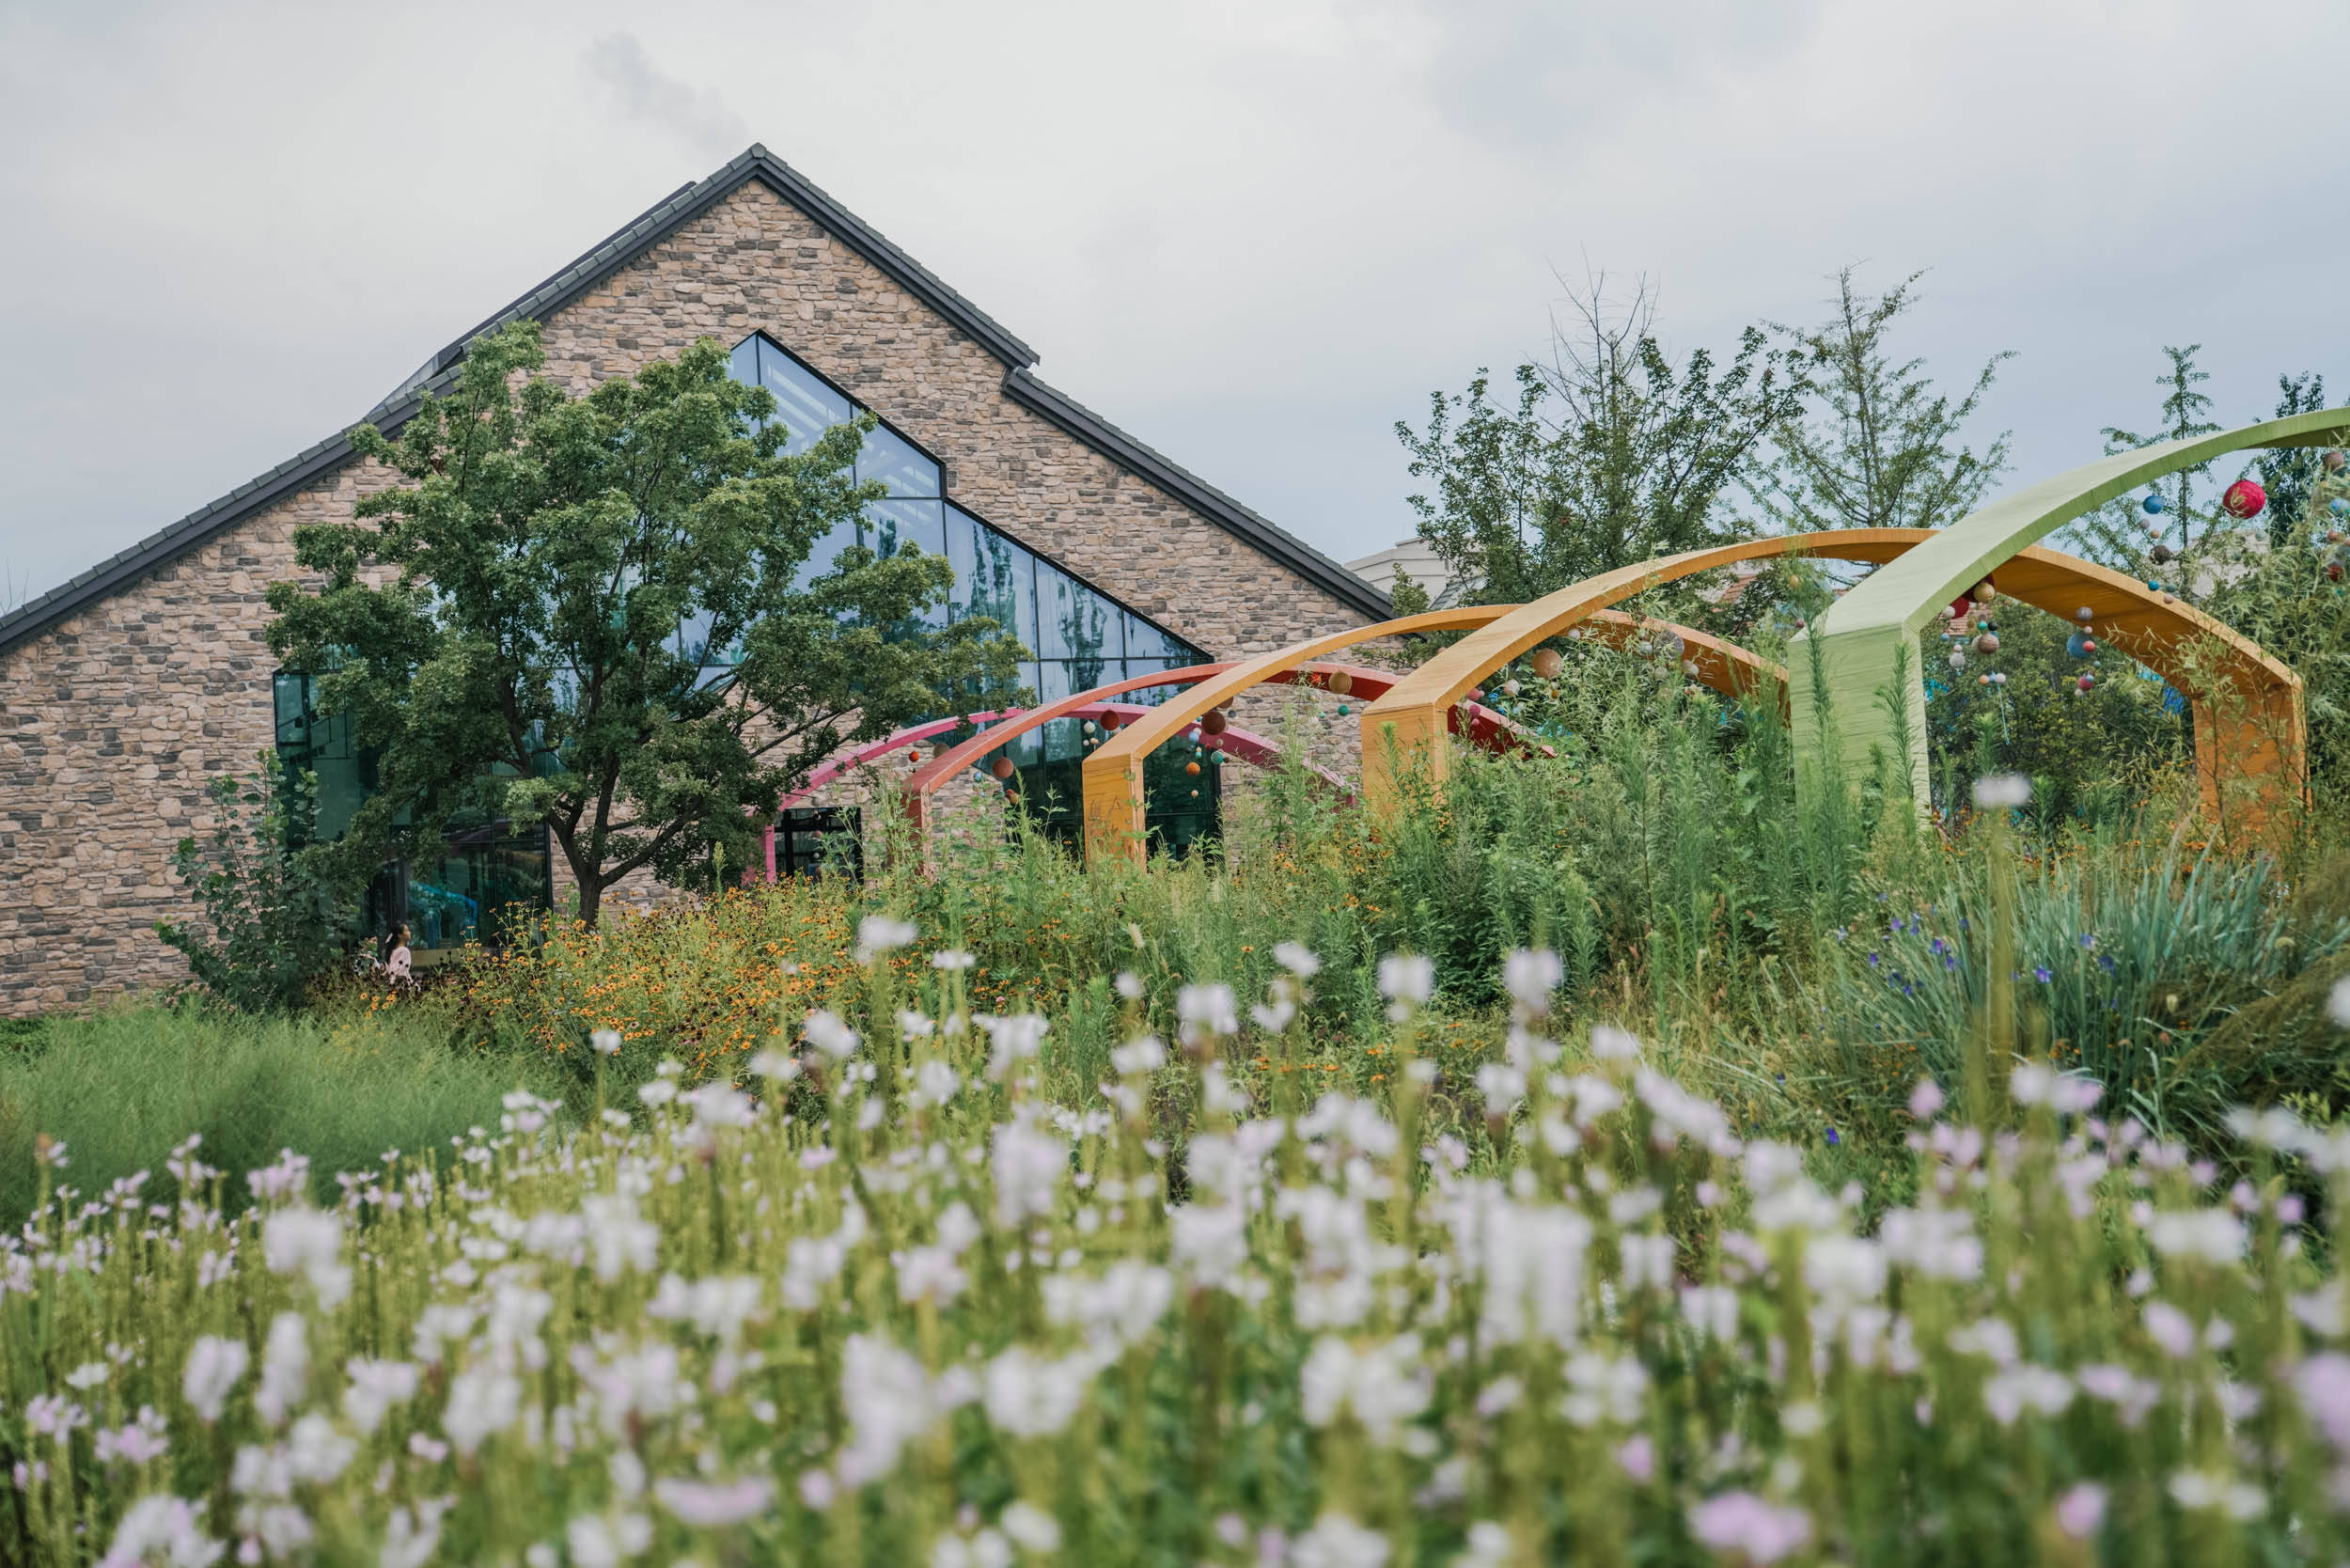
x=112, y=721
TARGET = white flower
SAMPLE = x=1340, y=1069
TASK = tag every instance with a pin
x=162, y=1529
x=890, y=1400
x=1742, y=1522
x=2201, y=1489
x=828, y=1034
x=137, y=1441
x=1146, y=1055
x=934, y=1084
x=951, y=958
x=1382, y=1388
x=1210, y=1242
x=710, y=1505
x=1488, y=1546
x=303, y=1240
x=1029, y=1164
x=1206, y=1012
x=1337, y=1542
x=285, y=1368
x=316, y=1453
x=2018, y=1389
x=1031, y=1527
x=1013, y=1040
x=2337, y=1005
x=2081, y=1510
x=1028, y=1396
x=2213, y=1235
x=1925, y=1100
x=659, y=1091
x=375, y=1387
x=1297, y=959
x=606, y=1042
x=1128, y=984
x=2066, y=1093
x=411, y=1539
x=480, y=1405
x=775, y=1066
x=1843, y=1269
x=1603, y=1387
x=1408, y=980
x=718, y=1305
x=1610, y=1043
x=1119, y=1308
x=2001, y=792
x=877, y=934
x=716, y=1105
x=1530, y=975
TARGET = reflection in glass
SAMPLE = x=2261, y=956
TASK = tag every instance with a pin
x=891, y=459
x=806, y=405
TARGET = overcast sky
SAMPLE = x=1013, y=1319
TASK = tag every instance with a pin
x=1255, y=234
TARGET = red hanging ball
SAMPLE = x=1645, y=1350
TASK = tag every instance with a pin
x=1547, y=663
x=1213, y=742
x=1192, y=768
x=1002, y=767
x=1212, y=723
x=2243, y=499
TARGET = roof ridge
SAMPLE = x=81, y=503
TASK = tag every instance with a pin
x=1325, y=573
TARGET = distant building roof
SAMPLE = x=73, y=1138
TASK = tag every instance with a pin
x=1417, y=558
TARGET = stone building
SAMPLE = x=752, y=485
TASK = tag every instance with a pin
x=123, y=692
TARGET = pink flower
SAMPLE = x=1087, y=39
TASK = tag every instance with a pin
x=2081, y=1510
x=1742, y=1522
x=1638, y=1458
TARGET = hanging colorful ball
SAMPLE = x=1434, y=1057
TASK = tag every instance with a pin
x=1213, y=742
x=2333, y=572
x=1998, y=677
x=1213, y=723
x=2083, y=616
x=2078, y=645
x=1959, y=607
x=1192, y=768
x=1958, y=659
x=1509, y=688
x=1985, y=593
x=2089, y=646
x=1344, y=709
x=1983, y=680
x=2334, y=460
x=1986, y=644
x=2163, y=555
x=1547, y=663
x=1195, y=795
x=2152, y=504
x=2243, y=499
x=2086, y=681
x=2338, y=505
x=1088, y=726
x=1341, y=682
x=1001, y=767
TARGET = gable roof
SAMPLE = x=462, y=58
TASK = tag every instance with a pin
x=601, y=262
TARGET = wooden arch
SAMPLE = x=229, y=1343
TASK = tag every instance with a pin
x=2196, y=653
x=2247, y=704
x=1113, y=775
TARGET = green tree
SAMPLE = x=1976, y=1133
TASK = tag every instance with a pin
x=595, y=613
x=274, y=907
x=1876, y=447
x=2113, y=534
x=2291, y=474
x=1610, y=453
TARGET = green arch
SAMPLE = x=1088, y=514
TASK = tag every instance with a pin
x=1861, y=635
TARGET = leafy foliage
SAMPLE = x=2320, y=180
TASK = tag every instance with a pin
x=596, y=613
x=274, y=907
x=1610, y=454
x=1875, y=447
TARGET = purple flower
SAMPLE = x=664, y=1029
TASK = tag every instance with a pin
x=1742, y=1522
x=1873, y=961
x=2040, y=971
x=2081, y=1510
x=1832, y=1140
x=1950, y=961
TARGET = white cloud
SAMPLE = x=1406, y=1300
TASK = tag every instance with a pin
x=1255, y=234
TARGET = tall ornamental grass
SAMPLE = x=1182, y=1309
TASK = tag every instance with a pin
x=882, y=1297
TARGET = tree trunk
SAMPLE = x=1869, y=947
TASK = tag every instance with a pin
x=590, y=901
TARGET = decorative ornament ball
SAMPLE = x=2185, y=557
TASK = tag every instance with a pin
x=2243, y=499
x=2333, y=536
x=1509, y=688
x=1547, y=663
x=1001, y=767
x=2089, y=646
x=1195, y=795
x=1213, y=742
x=1986, y=643
x=2334, y=460
x=1214, y=722
x=2083, y=615
x=2338, y=505
x=1945, y=613
x=2078, y=645
x=2152, y=504
x=1959, y=607
x=1801, y=623
x=2086, y=681
x=2163, y=555
x=1192, y=768
x=1983, y=680
x=2333, y=572
x=1689, y=669
x=1341, y=682
x=1985, y=593
x=1088, y=726
x=1010, y=793
x=1344, y=709
x=1998, y=677
x=1958, y=659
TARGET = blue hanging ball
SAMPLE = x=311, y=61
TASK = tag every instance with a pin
x=2152, y=502
x=2078, y=645
x=2339, y=506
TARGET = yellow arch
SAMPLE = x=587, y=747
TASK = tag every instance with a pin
x=1406, y=727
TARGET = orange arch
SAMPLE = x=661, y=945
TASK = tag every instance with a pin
x=1407, y=726
x=1113, y=775
x=1487, y=727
